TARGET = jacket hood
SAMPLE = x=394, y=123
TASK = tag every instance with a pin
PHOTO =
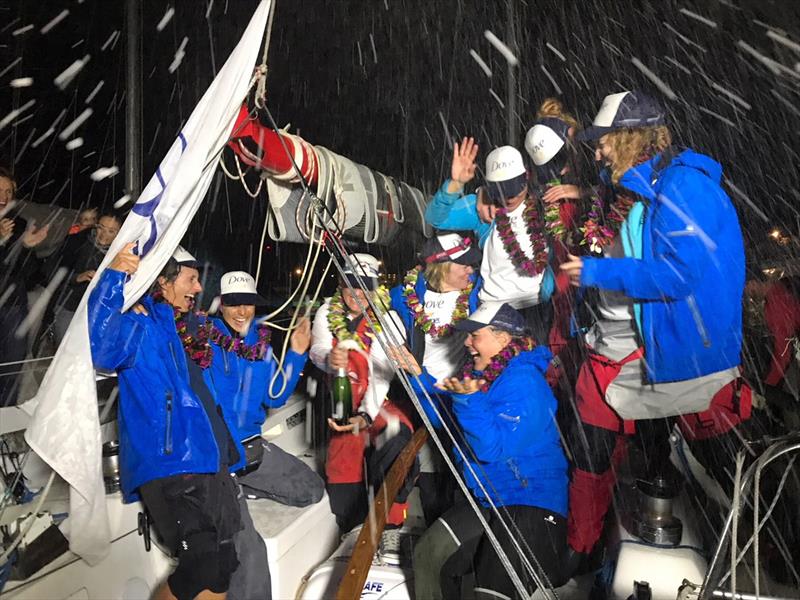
x=640, y=179
x=539, y=357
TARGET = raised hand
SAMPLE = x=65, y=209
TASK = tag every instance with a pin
x=301, y=336
x=561, y=192
x=573, y=268
x=463, y=168
x=404, y=359
x=85, y=276
x=126, y=261
x=6, y=227
x=461, y=386
x=34, y=236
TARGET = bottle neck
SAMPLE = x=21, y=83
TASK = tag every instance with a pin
x=341, y=372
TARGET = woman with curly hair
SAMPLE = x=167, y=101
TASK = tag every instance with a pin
x=668, y=263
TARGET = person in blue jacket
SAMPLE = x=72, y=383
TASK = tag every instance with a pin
x=515, y=265
x=175, y=449
x=503, y=412
x=248, y=382
x=433, y=297
x=669, y=321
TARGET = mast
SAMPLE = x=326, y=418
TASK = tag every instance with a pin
x=133, y=99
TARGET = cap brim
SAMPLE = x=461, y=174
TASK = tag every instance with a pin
x=469, y=326
x=192, y=264
x=470, y=258
x=369, y=282
x=499, y=190
x=594, y=132
x=242, y=299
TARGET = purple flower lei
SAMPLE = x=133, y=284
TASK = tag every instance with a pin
x=511, y=245
x=421, y=318
x=498, y=362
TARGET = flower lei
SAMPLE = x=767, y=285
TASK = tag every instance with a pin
x=421, y=318
x=198, y=346
x=601, y=226
x=498, y=362
x=511, y=245
x=337, y=319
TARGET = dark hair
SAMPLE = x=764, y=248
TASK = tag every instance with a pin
x=169, y=272
x=110, y=214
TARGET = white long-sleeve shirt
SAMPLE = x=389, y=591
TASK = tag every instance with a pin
x=382, y=368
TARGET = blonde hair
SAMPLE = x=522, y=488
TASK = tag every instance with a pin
x=553, y=107
x=435, y=274
x=628, y=146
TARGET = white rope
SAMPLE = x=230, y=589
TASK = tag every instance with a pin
x=737, y=483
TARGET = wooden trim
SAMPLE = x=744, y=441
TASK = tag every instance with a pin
x=361, y=560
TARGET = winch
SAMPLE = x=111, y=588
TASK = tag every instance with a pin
x=652, y=519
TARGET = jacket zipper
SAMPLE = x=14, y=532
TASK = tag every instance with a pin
x=168, y=427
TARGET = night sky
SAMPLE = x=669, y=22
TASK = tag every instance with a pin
x=378, y=81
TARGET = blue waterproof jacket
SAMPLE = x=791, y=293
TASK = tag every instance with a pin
x=163, y=428
x=512, y=432
x=400, y=305
x=689, y=280
x=242, y=386
x=457, y=212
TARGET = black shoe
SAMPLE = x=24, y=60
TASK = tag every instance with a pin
x=575, y=563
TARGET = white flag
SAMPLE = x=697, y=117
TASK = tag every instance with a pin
x=65, y=430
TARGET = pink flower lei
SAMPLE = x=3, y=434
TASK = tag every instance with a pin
x=511, y=245
x=498, y=362
x=421, y=318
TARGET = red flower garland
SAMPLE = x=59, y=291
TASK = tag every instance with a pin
x=519, y=259
x=498, y=362
x=198, y=347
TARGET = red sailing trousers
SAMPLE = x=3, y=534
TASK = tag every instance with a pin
x=601, y=443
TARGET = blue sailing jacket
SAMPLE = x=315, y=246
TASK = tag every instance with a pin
x=457, y=212
x=512, y=432
x=242, y=386
x=689, y=280
x=163, y=428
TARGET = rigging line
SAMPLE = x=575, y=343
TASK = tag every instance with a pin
x=287, y=338
x=490, y=535
x=492, y=538
x=26, y=361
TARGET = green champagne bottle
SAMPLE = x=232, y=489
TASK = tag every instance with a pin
x=342, y=396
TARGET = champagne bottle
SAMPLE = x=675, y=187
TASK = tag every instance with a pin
x=342, y=396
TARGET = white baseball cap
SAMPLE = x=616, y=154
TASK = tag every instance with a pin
x=545, y=139
x=505, y=173
x=367, y=267
x=451, y=247
x=184, y=258
x=625, y=110
x=239, y=287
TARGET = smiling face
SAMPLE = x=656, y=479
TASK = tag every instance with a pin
x=456, y=277
x=484, y=343
x=513, y=203
x=352, y=297
x=106, y=230
x=604, y=153
x=6, y=192
x=239, y=317
x=181, y=292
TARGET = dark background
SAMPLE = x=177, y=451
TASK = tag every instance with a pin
x=376, y=80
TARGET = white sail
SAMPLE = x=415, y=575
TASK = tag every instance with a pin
x=65, y=431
